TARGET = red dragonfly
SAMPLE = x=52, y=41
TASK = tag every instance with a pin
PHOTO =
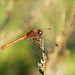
x=31, y=34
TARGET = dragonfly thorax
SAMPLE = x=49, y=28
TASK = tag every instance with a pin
x=34, y=33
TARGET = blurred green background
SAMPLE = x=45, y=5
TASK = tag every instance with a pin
x=17, y=17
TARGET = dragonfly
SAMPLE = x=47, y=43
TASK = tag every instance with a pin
x=31, y=34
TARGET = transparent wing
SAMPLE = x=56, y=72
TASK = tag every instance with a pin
x=32, y=48
x=49, y=42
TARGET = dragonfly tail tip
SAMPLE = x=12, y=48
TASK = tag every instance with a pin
x=49, y=28
x=56, y=45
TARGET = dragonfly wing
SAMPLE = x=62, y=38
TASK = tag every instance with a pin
x=49, y=40
x=32, y=48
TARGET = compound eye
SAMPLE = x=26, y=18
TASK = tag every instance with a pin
x=40, y=32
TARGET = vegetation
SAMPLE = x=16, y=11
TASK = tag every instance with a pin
x=17, y=17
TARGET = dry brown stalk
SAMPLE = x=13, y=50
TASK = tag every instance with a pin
x=10, y=7
x=61, y=40
x=32, y=18
x=42, y=63
x=8, y=10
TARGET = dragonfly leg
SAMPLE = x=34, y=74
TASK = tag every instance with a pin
x=34, y=42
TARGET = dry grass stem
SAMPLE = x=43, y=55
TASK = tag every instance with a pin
x=32, y=18
x=61, y=40
x=42, y=63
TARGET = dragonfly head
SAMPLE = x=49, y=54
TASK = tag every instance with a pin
x=40, y=32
